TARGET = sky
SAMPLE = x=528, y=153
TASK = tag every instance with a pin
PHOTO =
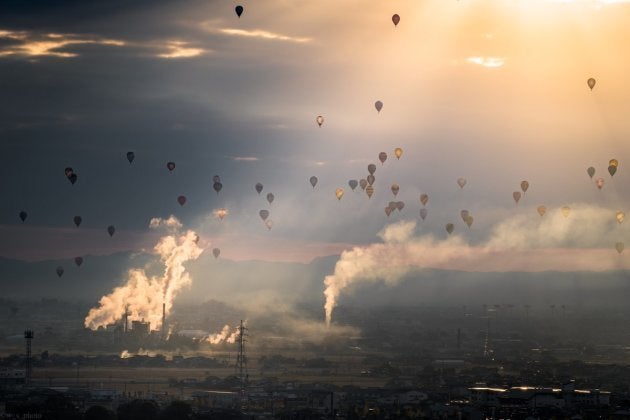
x=493, y=91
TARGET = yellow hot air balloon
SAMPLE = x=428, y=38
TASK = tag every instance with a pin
x=424, y=199
x=619, y=246
x=621, y=216
x=339, y=193
x=542, y=210
x=449, y=228
x=566, y=210
x=524, y=186
x=221, y=213
x=369, y=190
x=398, y=152
x=613, y=162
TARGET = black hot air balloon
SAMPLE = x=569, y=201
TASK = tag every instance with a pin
x=131, y=156
x=77, y=220
x=111, y=229
x=23, y=216
x=59, y=271
x=78, y=261
x=239, y=10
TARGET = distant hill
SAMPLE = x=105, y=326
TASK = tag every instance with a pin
x=276, y=283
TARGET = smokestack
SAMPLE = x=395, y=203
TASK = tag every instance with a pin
x=163, y=319
x=126, y=326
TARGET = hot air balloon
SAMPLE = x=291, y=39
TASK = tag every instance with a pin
x=239, y=10
x=170, y=166
x=590, y=171
x=263, y=214
x=464, y=214
x=78, y=261
x=111, y=229
x=59, y=271
x=398, y=152
x=423, y=213
x=449, y=228
x=591, y=83
x=270, y=198
x=221, y=213
x=395, y=188
x=216, y=252
x=77, y=220
x=621, y=216
x=524, y=186
x=72, y=177
x=517, y=196
x=258, y=187
x=461, y=182
x=371, y=179
x=269, y=224
x=600, y=183
x=353, y=184
x=395, y=19
x=181, y=200
x=382, y=157
x=369, y=190
x=371, y=168
x=612, y=169
x=469, y=221
x=388, y=210
x=619, y=247
x=313, y=181
x=566, y=210
x=217, y=186
x=378, y=105
x=400, y=205
x=424, y=199
x=320, y=120
x=339, y=193
x=131, y=156
x=216, y=178
x=542, y=210
x=363, y=183
x=23, y=216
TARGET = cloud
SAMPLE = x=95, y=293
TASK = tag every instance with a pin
x=489, y=62
x=584, y=241
x=180, y=49
x=49, y=45
x=262, y=34
x=245, y=159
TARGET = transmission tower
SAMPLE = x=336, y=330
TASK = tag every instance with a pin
x=241, y=364
x=28, y=335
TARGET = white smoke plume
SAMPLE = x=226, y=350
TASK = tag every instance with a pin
x=142, y=296
x=225, y=335
x=584, y=241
